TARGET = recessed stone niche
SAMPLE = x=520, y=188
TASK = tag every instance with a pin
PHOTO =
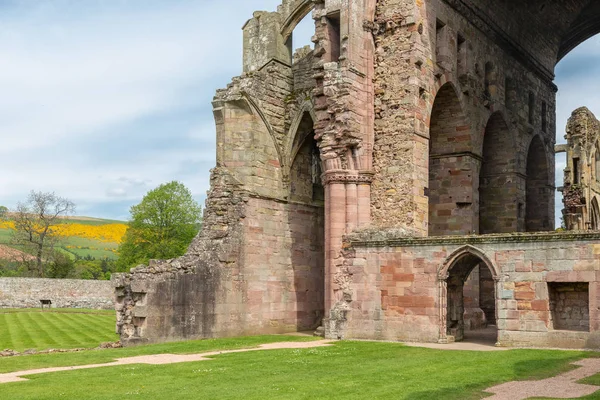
x=570, y=305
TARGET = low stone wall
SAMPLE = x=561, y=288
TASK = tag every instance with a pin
x=64, y=293
x=547, y=287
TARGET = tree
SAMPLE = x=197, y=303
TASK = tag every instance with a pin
x=61, y=266
x=3, y=212
x=35, y=225
x=162, y=226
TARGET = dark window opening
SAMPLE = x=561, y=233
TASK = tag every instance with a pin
x=461, y=55
x=441, y=44
x=531, y=107
x=576, y=171
x=544, y=116
x=490, y=80
x=334, y=33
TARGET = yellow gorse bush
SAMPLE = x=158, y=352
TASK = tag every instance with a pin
x=110, y=233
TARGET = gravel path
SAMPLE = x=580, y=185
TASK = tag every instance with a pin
x=563, y=386
x=157, y=359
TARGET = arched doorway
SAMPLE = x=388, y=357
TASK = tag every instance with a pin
x=452, y=167
x=498, y=187
x=306, y=219
x=538, y=191
x=469, y=298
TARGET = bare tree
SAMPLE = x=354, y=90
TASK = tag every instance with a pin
x=35, y=225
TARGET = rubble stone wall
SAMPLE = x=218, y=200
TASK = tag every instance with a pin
x=64, y=293
x=424, y=50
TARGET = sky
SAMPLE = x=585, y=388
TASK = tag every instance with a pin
x=102, y=101
x=578, y=85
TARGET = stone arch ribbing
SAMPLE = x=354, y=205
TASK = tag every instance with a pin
x=297, y=14
x=255, y=107
x=291, y=149
x=468, y=250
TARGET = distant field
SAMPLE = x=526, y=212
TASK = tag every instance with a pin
x=83, y=236
x=58, y=329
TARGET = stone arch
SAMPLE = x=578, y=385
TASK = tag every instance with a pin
x=257, y=110
x=498, y=203
x=586, y=25
x=452, y=166
x=305, y=164
x=291, y=149
x=462, y=273
x=538, y=189
x=464, y=251
x=594, y=214
x=297, y=10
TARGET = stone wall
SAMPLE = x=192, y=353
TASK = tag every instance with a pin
x=64, y=293
x=455, y=117
x=403, y=288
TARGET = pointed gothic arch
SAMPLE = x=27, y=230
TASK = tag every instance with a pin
x=538, y=189
x=452, y=166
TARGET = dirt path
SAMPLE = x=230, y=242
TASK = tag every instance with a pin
x=563, y=386
x=157, y=359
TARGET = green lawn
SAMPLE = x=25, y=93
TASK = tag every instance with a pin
x=347, y=370
x=57, y=328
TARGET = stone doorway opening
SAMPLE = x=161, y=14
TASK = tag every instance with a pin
x=470, y=301
x=306, y=219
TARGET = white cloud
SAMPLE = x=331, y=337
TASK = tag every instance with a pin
x=84, y=84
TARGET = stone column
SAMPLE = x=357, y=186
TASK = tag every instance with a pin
x=347, y=207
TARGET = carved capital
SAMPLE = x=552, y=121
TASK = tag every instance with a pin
x=347, y=176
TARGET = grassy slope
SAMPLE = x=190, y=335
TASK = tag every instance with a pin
x=94, y=248
x=348, y=370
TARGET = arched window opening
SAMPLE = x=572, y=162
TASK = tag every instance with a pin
x=300, y=40
x=471, y=304
x=594, y=215
x=538, y=190
x=452, y=167
x=498, y=188
x=334, y=37
x=597, y=163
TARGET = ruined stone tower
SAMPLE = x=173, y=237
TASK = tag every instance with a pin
x=581, y=190
x=380, y=183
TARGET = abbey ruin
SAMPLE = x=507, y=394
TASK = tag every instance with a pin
x=395, y=182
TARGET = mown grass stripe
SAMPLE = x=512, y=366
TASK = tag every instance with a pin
x=23, y=332
x=39, y=331
x=47, y=330
x=64, y=332
x=82, y=331
x=97, y=321
x=27, y=329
